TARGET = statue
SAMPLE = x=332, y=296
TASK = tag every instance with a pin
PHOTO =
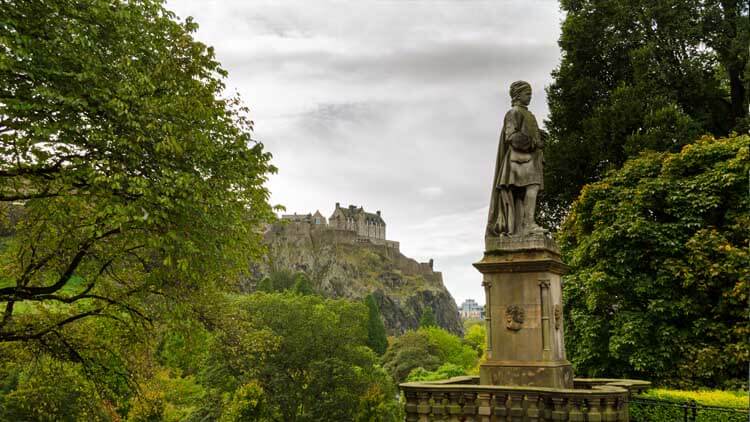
x=518, y=170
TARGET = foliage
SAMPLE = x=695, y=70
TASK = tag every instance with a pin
x=445, y=371
x=135, y=175
x=284, y=280
x=450, y=348
x=33, y=392
x=165, y=397
x=248, y=403
x=409, y=351
x=476, y=338
x=307, y=354
x=302, y=285
x=427, y=348
x=428, y=318
x=672, y=406
x=640, y=75
x=659, y=281
x=720, y=398
x=376, y=337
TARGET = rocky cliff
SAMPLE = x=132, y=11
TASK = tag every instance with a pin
x=341, y=266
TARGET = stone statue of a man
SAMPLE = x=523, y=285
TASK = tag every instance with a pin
x=518, y=169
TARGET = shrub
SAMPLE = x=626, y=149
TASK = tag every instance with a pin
x=445, y=371
x=673, y=405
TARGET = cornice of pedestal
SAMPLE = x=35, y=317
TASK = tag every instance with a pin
x=529, y=242
x=526, y=254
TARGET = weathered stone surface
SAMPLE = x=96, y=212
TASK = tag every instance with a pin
x=340, y=267
x=522, y=276
x=518, y=169
x=591, y=400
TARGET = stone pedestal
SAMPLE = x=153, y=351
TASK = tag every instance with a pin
x=522, y=281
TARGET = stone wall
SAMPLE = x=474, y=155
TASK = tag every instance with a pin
x=330, y=233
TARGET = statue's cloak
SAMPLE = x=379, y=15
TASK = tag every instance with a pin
x=519, y=129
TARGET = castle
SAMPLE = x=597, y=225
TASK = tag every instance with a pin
x=352, y=222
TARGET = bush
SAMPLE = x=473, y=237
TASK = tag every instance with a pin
x=50, y=390
x=674, y=403
x=445, y=371
x=427, y=350
x=658, y=283
x=450, y=348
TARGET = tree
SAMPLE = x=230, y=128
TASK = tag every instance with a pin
x=376, y=337
x=307, y=354
x=476, y=337
x=427, y=319
x=427, y=349
x=450, y=348
x=636, y=76
x=409, y=351
x=302, y=285
x=658, y=287
x=135, y=176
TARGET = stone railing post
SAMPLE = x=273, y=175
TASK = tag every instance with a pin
x=424, y=408
x=610, y=410
x=484, y=407
x=411, y=406
x=516, y=407
x=559, y=413
x=470, y=404
x=622, y=408
x=575, y=412
x=594, y=405
x=500, y=406
x=545, y=407
x=439, y=406
x=454, y=405
x=533, y=413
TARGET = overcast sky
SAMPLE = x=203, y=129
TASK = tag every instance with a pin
x=392, y=105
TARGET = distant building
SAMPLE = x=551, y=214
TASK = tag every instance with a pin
x=470, y=309
x=316, y=219
x=365, y=227
x=355, y=218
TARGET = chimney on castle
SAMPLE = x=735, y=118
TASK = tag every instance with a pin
x=378, y=213
x=338, y=205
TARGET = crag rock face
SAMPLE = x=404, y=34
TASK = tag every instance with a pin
x=339, y=265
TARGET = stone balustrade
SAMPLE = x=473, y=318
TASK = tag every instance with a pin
x=463, y=399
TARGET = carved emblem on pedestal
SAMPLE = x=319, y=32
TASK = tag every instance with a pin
x=514, y=317
x=558, y=316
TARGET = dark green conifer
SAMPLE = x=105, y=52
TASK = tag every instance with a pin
x=376, y=338
x=428, y=319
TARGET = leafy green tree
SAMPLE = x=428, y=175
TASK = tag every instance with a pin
x=50, y=390
x=427, y=319
x=278, y=281
x=308, y=354
x=450, y=348
x=137, y=176
x=427, y=348
x=302, y=285
x=476, y=338
x=640, y=75
x=248, y=403
x=409, y=351
x=376, y=337
x=265, y=285
x=659, y=281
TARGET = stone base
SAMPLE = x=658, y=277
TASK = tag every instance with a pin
x=527, y=373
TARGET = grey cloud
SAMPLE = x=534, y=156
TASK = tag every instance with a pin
x=386, y=104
